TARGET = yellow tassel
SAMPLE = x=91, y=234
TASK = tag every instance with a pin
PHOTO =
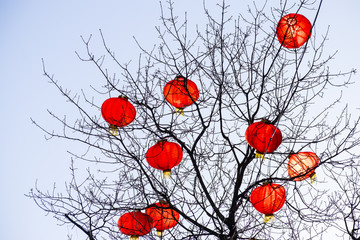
x=159, y=233
x=268, y=218
x=134, y=237
x=313, y=177
x=179, y=111
x=113, y=130
x=166, y=174
x=259, y=155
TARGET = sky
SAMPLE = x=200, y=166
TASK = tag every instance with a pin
x=32, y=30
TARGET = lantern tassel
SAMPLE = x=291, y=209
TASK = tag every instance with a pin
x=313, y=177
x=159, y=233
x=166, y=174
x=179, y=111
x=134, y=237
x=113, y=130
x=268, y=218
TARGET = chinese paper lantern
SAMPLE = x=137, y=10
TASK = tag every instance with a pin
x=164, y=156
x=293, y=30
x=263, y=136
x=180, y=93
x=302, y=166
x=164, y=217
x=118, y=112
x=268, y=198
x=135, y=224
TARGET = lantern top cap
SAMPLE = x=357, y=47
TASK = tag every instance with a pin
x=123, y=96
x=163, y=201
x=161, y=140
x=180, y=77
x=265, y=120
x=291, y=153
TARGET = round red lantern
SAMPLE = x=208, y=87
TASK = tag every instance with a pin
x=263, y=136
x=135, y=224
x=164, y=217
x=180, y=93
x=164, y=156
x=268, y=198
x=293, y=30
x=118, y=112
x=302, y=166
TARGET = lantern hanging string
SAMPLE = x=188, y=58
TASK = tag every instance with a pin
x=269, y=169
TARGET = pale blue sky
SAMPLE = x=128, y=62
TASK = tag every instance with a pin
x=35, y=29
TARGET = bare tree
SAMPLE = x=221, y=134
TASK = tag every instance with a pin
x=346, y=201
x=243, y=75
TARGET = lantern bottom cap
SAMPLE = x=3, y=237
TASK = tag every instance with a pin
x=180, y=111
x=160, y=233
x=113, y=129
x=259, y=155
x=134, y=237
x=167, y=173
x=313, y=177
x=268, y=218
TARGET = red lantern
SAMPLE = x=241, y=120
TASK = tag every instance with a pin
x=118, y=112
x=180, y=93
x=268, y=198
x=164, y=156
x=135, y=224
x=263, y=136
x=164, y=217
x=302, y=166
x=293, y=30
